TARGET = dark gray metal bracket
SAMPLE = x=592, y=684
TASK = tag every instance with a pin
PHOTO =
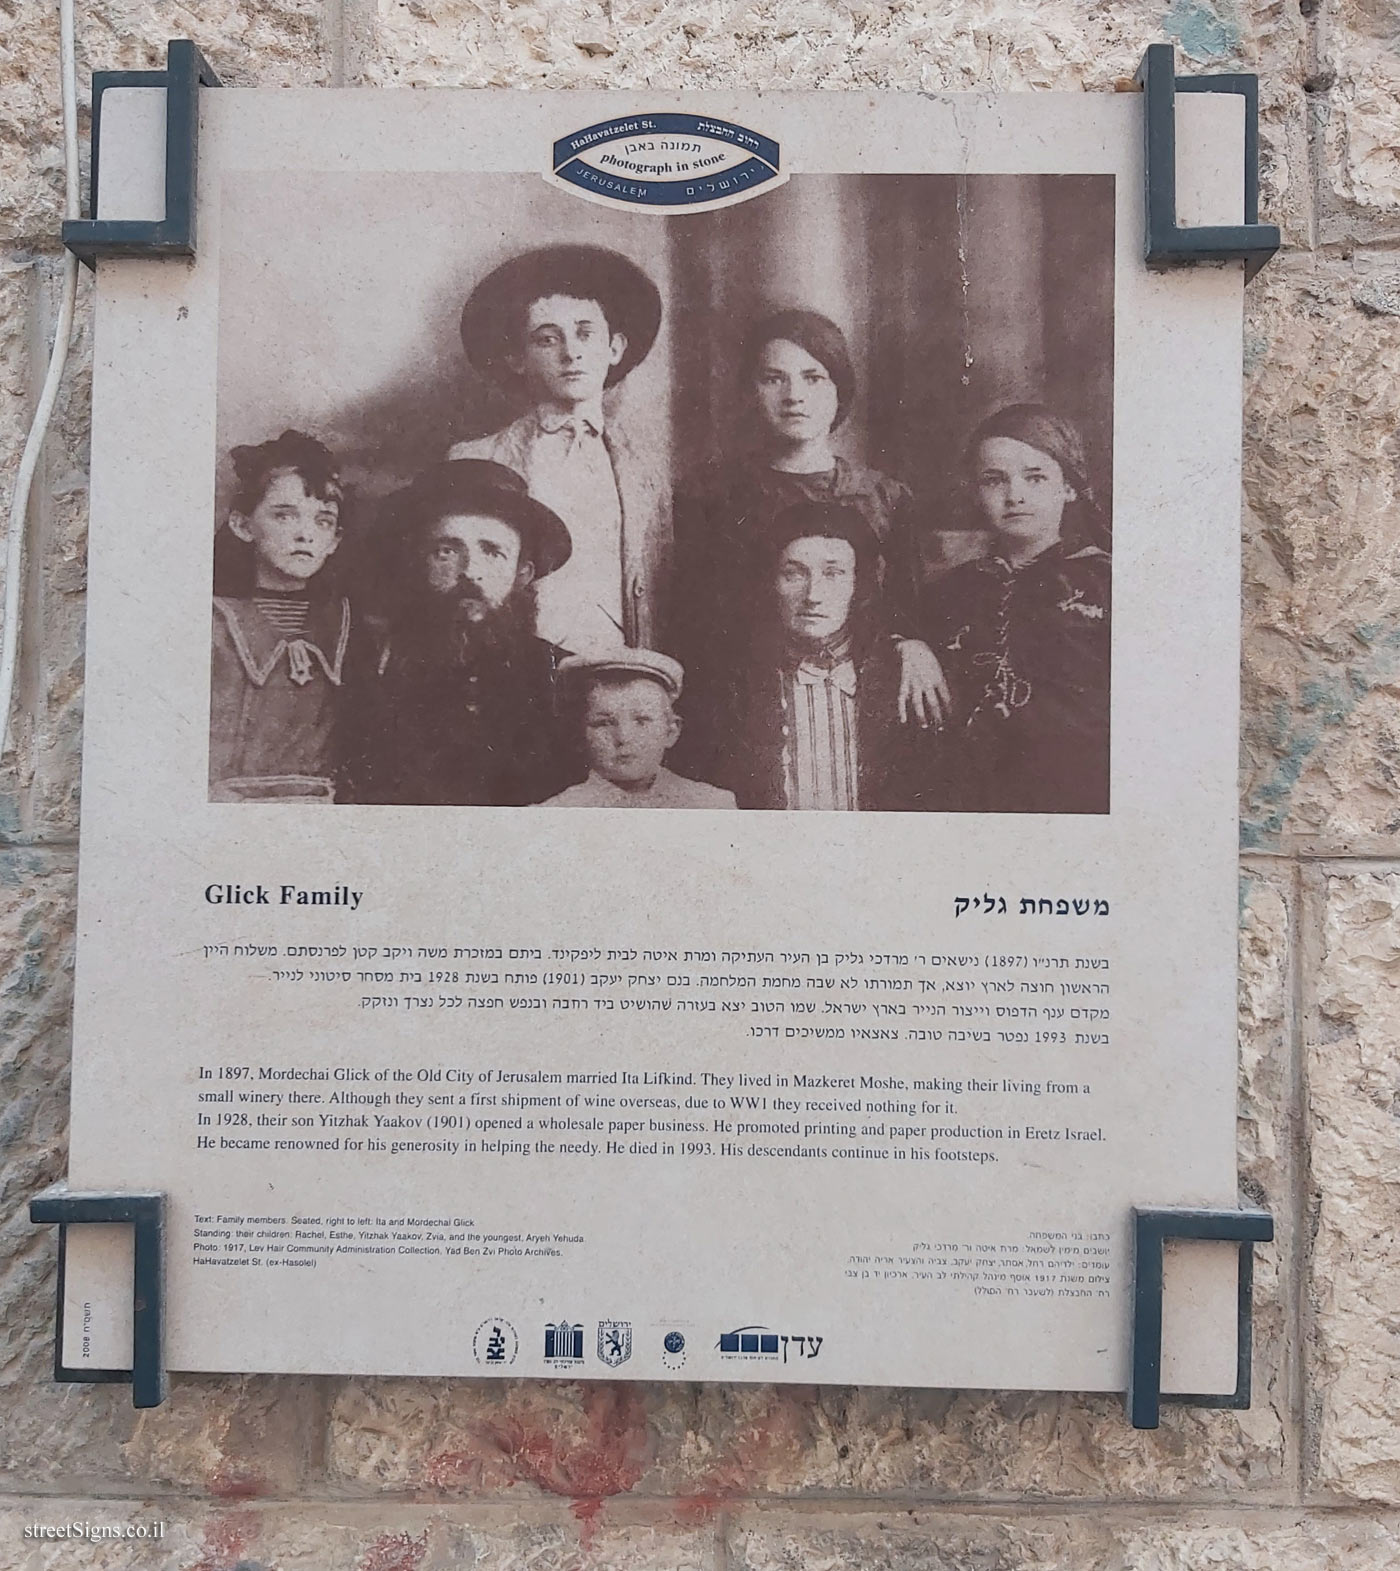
x=186, y=71
x=1151, y=1229
x=146, y=1215
x=1168, y=245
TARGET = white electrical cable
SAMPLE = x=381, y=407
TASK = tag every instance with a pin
x=29, y=460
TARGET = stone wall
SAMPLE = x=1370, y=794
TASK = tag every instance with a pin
x=393, y=1475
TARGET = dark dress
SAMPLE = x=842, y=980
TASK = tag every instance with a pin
x=721, y=591
x=896, y=765
x=417, y=731
x=718, y=526
x=273, y=700
x=1026, y=652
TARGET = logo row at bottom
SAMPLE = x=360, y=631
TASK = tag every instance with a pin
x=496, y=1344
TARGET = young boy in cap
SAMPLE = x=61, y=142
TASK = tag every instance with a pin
x=629, y=724
x=563, y=324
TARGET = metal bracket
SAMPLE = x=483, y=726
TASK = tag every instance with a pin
x=1151, y=1228
x=145, y=1212
x=186, y=71
x=1168, y=245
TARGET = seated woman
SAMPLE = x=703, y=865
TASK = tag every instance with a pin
x=1024, y=632
x=815, y=725
x=795, y=373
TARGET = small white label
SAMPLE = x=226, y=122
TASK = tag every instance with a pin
x=99, y=1264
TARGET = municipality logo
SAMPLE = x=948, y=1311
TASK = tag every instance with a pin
x=614, y=1342
x=495, y=1344
x=668, y=161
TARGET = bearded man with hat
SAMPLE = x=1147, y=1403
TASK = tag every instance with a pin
x=453, y=702
x=816, y=723
x=560, y=326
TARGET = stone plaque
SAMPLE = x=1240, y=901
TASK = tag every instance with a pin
x=825, y=473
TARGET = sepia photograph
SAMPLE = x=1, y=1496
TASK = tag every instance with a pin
x=802, y=504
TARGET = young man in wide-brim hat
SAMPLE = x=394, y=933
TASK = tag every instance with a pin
x=561, y=325
x=455, y=705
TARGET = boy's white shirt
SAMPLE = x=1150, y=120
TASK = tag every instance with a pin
x=565, y=463
x=667, y=790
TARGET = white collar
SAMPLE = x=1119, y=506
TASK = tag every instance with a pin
x=585, y=420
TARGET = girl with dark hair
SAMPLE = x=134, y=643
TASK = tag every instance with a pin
x=1024, y=632
x=796, y=375
x=280, y=630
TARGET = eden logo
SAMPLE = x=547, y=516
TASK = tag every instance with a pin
x=760, y=1342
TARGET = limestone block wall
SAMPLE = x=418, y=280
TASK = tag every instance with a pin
x=263, y=1474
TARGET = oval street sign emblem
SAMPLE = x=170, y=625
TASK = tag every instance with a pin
x=674, y=162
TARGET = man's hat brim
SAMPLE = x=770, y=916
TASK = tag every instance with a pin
x=492, y=319
x=467, y=487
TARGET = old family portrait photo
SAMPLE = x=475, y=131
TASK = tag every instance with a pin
x=798, y=504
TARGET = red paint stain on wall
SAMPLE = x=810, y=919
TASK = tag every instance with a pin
x=589, y=1513
x=695, y=1509
x=455, y=1469
x=781, y=1433
x=231, y=1484
x=395, y=1552
x=607, y=1458
x=226, y=1540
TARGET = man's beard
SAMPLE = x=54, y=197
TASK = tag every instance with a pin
x=459, y=629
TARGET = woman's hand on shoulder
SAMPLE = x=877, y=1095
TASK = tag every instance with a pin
x=924, y=698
